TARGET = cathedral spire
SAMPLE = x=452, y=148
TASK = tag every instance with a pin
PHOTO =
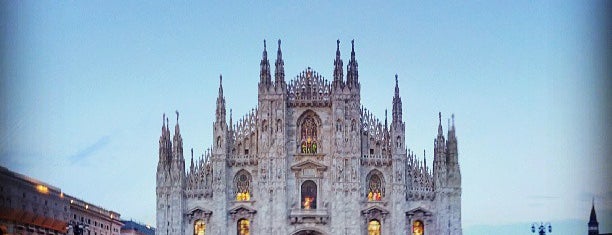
x=165, y=146
x=440, y=124
x=440, y=143
x=220, y=112
x=424, y=160
x=279, y=75
x=397, y=104
x=352, y=74
x=191, y=165
x=386, y=119
x=177, y=153
x=264, y=74
x=231, y=122
x=177, y=130
x=338, y=73
x=451, y=128
x=593, y=224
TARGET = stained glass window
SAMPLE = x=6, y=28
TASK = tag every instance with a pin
x=199, y=227
x=309, y=195
x=418, y=228
x=374, y=227
x=309, y=136
x=243, y=186
x=375, y=188
x=244, y=227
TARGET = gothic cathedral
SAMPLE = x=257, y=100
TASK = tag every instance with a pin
x=309, y=159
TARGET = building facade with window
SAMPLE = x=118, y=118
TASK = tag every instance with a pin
x=29, y=206
x=133, y=228
x=308, y=159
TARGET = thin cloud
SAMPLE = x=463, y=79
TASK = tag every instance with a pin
x=87, y=152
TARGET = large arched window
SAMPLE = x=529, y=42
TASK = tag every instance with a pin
x=309, y=195
x=309, y=140
x=374, y=227
x=375, y=186
x=244, y=227
x=242, y=182
x=418, y=228
x=199, y=227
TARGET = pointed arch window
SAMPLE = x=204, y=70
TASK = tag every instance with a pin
x=244, y=227
x=199, y=227
x=309, y=140
x=309, y=195
x=242, y=182
x=375, y=186
x=418, y=228
x=374, y=227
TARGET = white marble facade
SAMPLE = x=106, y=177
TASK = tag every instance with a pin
x=309, y=159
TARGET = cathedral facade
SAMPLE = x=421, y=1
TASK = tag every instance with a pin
x=309, y=159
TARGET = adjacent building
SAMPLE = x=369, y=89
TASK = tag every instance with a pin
x=29, y=206
x=309, y=159
x=135, y=228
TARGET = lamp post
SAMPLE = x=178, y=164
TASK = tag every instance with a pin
x=78, y=228
x=542, y=228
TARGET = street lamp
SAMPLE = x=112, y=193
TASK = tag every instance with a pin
x=78, y=228
x=541, y=228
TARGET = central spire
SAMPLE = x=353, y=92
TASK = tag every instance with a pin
x=279, y=75
x=265, y=79
x=397, y=104
x=220, y=113
x=338, y=73
x=352, y=74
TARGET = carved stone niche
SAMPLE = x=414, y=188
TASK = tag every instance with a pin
x=421, y=214
x=374, y=212
x=198, y=213
x=308, y=170
x=242, y=211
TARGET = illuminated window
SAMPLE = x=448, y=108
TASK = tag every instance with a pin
x=243, y=186
x=309, y=195
x=374, y=227
x=244, y=226
x=309, y=136
x=375, y=189
x=418, y=228
x=199, y=227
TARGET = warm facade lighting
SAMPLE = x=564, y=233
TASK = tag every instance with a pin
x=42, y=189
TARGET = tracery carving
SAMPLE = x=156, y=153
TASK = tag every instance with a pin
x=419, y=179
x=309, y=139
x=375, y=186
x=309, y=89
x=243, y=186
x=377, y=144
x=199, y=177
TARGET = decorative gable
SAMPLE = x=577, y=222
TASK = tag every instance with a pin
x=308, y=168
x=197, y=213
x=242, y=211
x=375, y=212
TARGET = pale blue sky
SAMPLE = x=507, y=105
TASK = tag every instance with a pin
x=85, y=84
